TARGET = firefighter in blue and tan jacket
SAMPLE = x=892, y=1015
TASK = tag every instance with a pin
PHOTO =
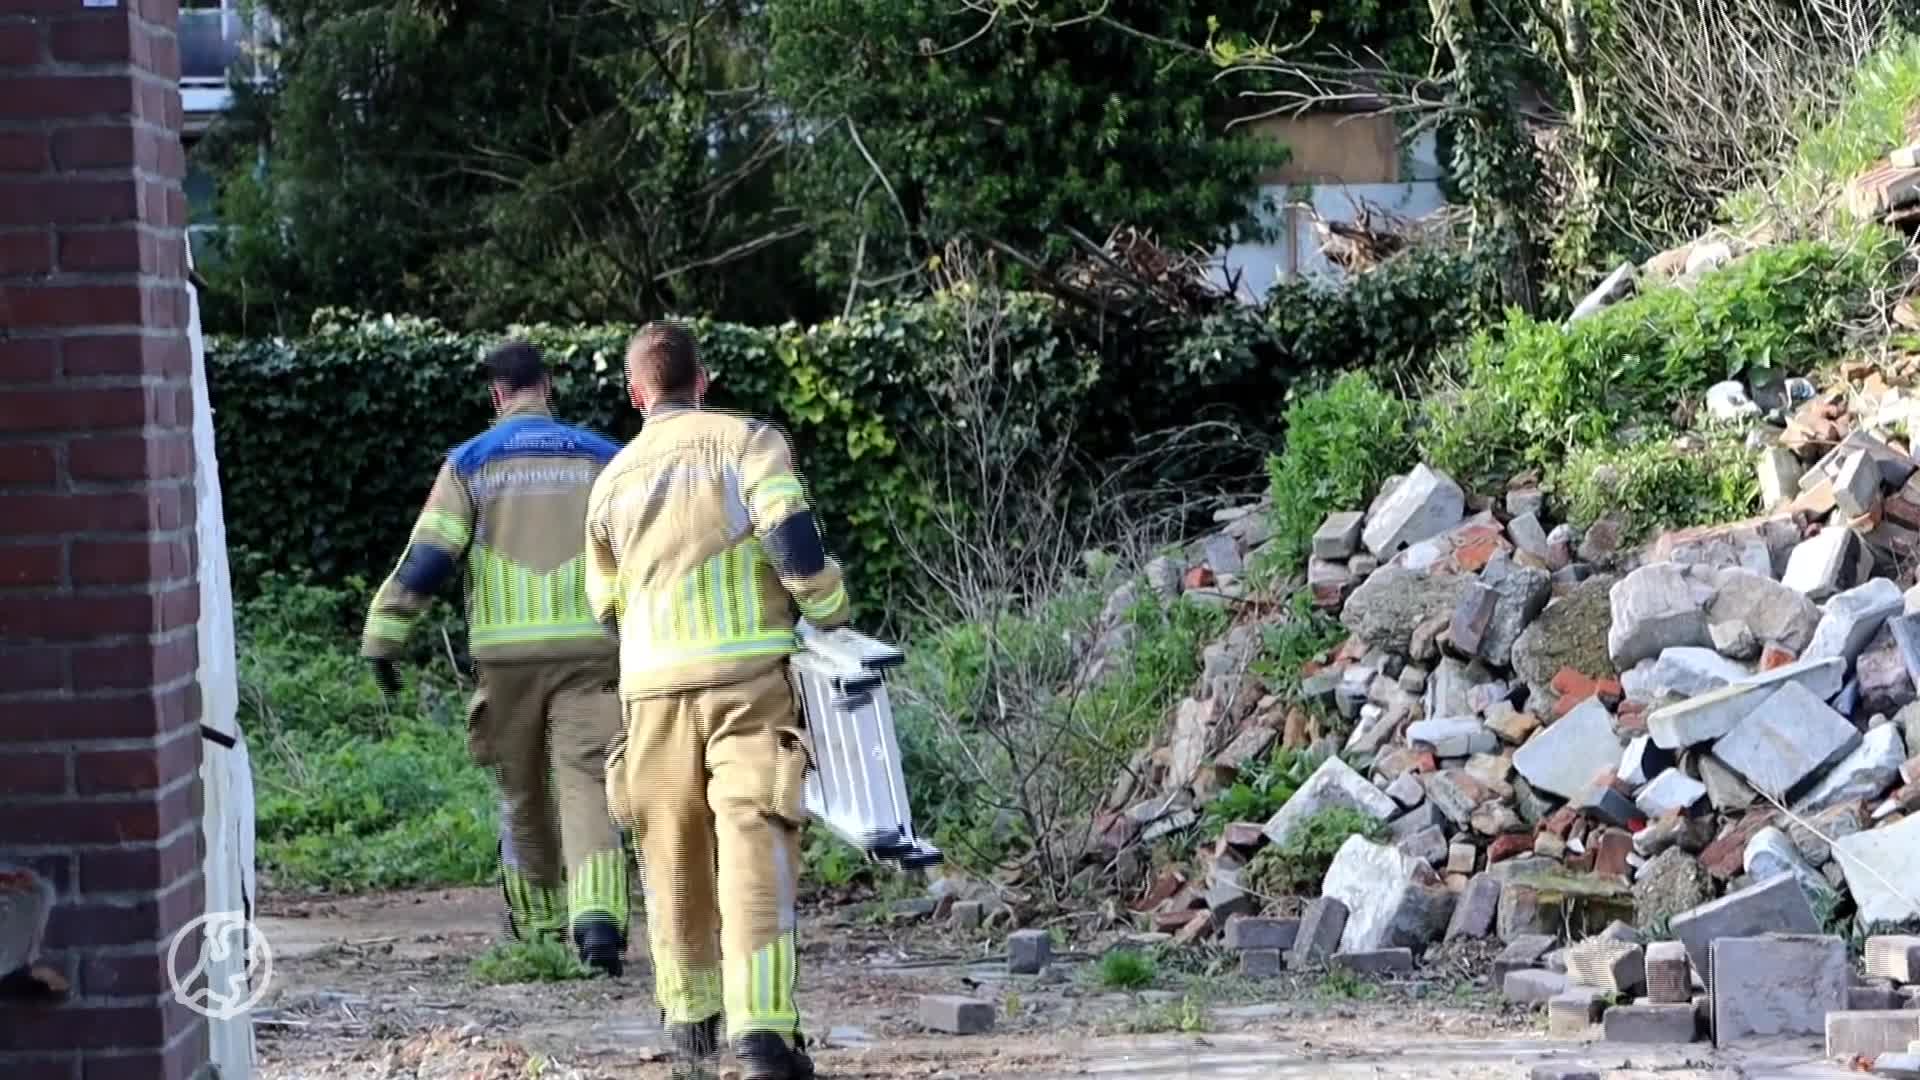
x=504, y=514
x=703, y=553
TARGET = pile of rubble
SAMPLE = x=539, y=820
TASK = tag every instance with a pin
x=1562, y=734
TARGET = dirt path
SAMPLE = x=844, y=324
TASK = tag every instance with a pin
x=378, y=988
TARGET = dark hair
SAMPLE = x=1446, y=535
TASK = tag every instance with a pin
x=516, y=365
x=663, y=358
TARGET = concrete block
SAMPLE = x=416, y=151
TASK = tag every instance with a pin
x=1671, y=791
x=1334, y=784
x=1428, y=845
x=1851, y=619
x=1894, y=956
x=1029, y=951
x=1857, y=487
x=1776, y=905
x=1777, y=984
x=1320, y=930
x=1246, y=932
x=1262, y=963
x=1641, y=761
x=1574, y=1010
x=1706, y=717
x=1424, y=505
x=1651, y=1023
x=1392, y=898
x=1407, y=790
x=1669, y=976
x=1565, y=758
x=1533, y=986
x=1339, y=536
x=1866, y=773
x=1658, y=606
x=1786, y=740
x=1870, y=1034
x=1453, y=737
x=1780, y=472
x=1617, y=967
x=968, y=914
x=1686, y=670
x=956, y=1015
x=1873, y=858
x=1378, y=961
x=1825, y=564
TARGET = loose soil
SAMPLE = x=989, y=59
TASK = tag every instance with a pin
x=378, y=987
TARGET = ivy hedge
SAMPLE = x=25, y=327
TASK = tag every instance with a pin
x=329, y=441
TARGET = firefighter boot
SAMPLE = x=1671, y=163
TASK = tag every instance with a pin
x=696, y=1048
x=765, y=1055
x=600, y=945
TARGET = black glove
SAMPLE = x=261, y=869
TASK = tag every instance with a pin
x=387, y=678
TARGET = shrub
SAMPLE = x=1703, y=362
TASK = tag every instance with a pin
x=328, y=441
x=1535, y=391
x=1126, y=969
x=1299, y=865
x=528, y=962
x=1844, y=144
x=1261, y=792
x=1660, y=483
x=1342, y=443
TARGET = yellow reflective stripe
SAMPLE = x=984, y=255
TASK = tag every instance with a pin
x=768, y=643
x=776, y=487
x=508, y=635
x=760, y=990
x=687, y=994
x=389, y=627
x=750, y=560
x=447, y=527
x=820, y=609
x=598, y=886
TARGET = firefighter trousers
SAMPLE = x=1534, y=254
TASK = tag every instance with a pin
x=543, y=728
x=710, y=781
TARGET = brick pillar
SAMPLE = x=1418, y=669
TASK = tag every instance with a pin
x=99, y=708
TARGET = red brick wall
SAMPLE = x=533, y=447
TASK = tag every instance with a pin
x=99, y=709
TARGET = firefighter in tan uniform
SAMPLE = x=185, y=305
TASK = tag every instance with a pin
x=504, y=513
x=700, y=548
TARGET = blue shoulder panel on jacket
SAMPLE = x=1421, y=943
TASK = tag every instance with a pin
x=532, y=436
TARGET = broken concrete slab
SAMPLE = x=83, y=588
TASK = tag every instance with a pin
x=1561, y=759
x=1530, y=537
x=1406, y=790
x=1672, y=791
x=1787, y=984
x=1386, y=609
x=1775, y=905
x=1813, y=839
x=1779, y=473
x=1659, y=606
x=1429, y=845
x=1881, y=867
x=1866, y=773
x=1333, y=785
x=1856, y=486
x=1734, y=640
x=1689, y=670
x=1392, y=898
x=1725, y=790
x=1521, y=593
x=1851, y=618
x=1787, y=738
x=1711, y=715
x=1770, y=853
x=1472, y=614
x=1776, y=613
x=1570, y=632
x=1886, y=683
x=1339, y=535
x=1423, y=505
x=1826, y=564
